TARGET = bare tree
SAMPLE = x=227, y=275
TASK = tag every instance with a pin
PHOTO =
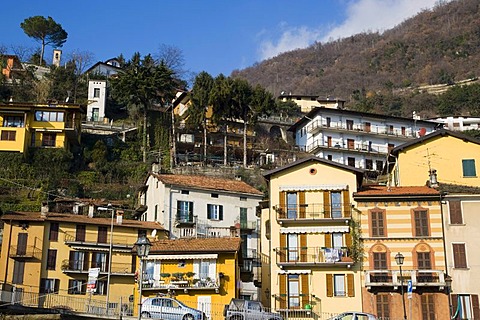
x=81, y=59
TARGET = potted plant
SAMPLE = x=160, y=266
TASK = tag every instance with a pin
x=190, y=274
x=178, y=276
x=165, y=275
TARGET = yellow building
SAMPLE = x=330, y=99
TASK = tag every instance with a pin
x=405, y=220
x=201, y=272
x=311, y=237
x=449, y=157
x=46, y=259
x=24, y=125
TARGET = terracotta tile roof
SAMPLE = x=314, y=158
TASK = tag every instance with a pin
x=209, y=183
x=196, y=245
x=74, y=218
x=384, y=191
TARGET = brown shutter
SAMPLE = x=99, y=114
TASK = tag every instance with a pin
x=328, y=240
x=350, y=285
x=303, y=247
x=56, y=285
x=454, y=303
x=302, y=204
x=282, y=210
x=304, y=290
x=346, y=204
x=476, y=310
x=455, y=208
x=348, y=240
x=326, y=203
x=85, y=261
x=329, y=285
x=282, y=251
x=283, y=291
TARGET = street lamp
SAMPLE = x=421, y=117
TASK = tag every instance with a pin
x=143, y=248
x=448, y=284
x=399, y=258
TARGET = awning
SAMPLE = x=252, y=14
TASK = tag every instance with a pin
x=315, y=187
x=322, y=229
x=294, y=271
x=181, y=256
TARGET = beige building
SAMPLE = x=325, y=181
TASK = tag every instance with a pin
x=448, y=159
x=311, y=239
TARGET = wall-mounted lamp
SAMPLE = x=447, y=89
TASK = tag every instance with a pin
x=221, y=275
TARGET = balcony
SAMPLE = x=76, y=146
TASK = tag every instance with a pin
x=79, y=266
x=91, y=239
x=204, y=231
x=313, y=256
x=310, y=212
x=391, y=278
x=169, y=283
x=25, y=253
x=357, y=147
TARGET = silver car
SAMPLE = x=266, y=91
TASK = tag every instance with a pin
x=354, y=315
x=169, y=309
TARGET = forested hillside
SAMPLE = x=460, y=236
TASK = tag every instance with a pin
x=379, y=72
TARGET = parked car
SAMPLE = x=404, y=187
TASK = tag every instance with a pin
x=169, y=309
x=354, y=315
x=239, y=309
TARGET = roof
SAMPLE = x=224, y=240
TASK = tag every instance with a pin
x=74, y=218
x=314, y=159
x=435, y=134
x=196, y=245
x=315, y=110
x=208, y=183
x=388, y=192
x=104, y=64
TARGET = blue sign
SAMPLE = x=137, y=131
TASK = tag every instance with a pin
x=409, y=289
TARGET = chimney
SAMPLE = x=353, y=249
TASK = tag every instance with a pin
x=91, y=208
x=44, y=209
x=155, y=167
x=119, y=217
x=433, y=182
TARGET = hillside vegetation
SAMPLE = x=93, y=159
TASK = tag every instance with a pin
x=380, y=72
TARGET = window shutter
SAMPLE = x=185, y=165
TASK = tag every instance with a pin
x=346, y=204
x=455, y=208
x=459, y=256
x=475, y=307
x=196, y=268
x=303, y=247
x=454, y=298
x=178, y=210
x=56, y=285
x=212, y=269
x=283, y=245
x=85, y=261
x=302, y=204
x=190, y=211
x=350, y=285
x=220, y=215
x=329, y=285
x=209, y=211
x=326, y=204
x=70, y=259
x=42, y=285
x=304, y=290
x=282, y=210
x=328, y=240
x=348, y=240
x=283, y=291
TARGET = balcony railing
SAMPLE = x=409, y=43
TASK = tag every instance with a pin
x=201, y=231
x=25, y=253
x=151, y=283
x=313, y=211
x=313, y=256
x=356, y=147
x=419, y=278
x=91, y=238
x=78, y=266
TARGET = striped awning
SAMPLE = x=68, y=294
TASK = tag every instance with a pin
x=331, y=187
x=101, y=249
x=294, y=271
x=319, y=229
x=182, y=256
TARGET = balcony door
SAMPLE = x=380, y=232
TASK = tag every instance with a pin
x=22, y=244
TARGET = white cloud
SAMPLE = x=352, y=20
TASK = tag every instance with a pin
x=361, y=16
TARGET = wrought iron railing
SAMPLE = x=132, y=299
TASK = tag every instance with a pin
x=313, y=211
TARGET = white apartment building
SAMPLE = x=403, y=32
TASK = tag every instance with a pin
x=201, y=206
x=308, y=102
x=353, y=138
x=97, y=96
x=459, y=123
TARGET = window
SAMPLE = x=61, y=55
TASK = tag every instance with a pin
x=80, y=233
x=351, y=161
x=377, y=220
x=468, y=166
x=185, y=192
x=96, y=92
x=329, y=121
x=13, y=121
x=243, y=218
x=243, y=198
x=18, y=271
x=155, y=215
x=53, y=231
x=337, y=240
x=350, y=144
x=421, y=223
x=292, y=245
x=455, y=211
x=291, y=205
x=383, y=306
x=214, y=212
x=349, y=124
x=380, y=261
x=293, y=291
x=51, y=259
x=467, y=306
x=184, y=211
x=424, y=261
x=339, y=285
x=379, y=165
x=336, y=201
x=102, y=234
x=459, y=255
x=101, y=287
x=49, y=116
x=428, y=307
x=48, y=139
x=369, y=164
x=77, y=261
x=100, y=260
x=8, y=135
x=214, y=195
x=76, y=286
x=49, y=285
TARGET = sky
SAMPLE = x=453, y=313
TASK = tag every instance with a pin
x=216, y=36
